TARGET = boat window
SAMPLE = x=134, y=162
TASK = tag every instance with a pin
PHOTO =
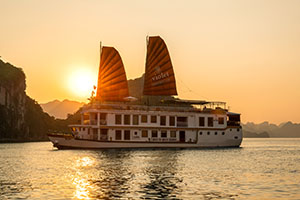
x=162, y=120
x=182, y=121
x=127, y=135
x=144, y=133
x=135, y=120
x=153, y=119
x=118, y=119
x=233, y=120
x=144, y=119
x=210, y=121
x=163, y=134
x=208, y=133
x=216, y=133
x=173, y=134
x=154, y=133
x=118, y=135
x=238, y=129
x=182, y=136
x=104, y=134
x=127, y=119
x=223, y=133
x=95, y=134
x=86, y=118
x=201, y=121
x=172, y=120
x=103, y=118
x=200, y=133
x=221, y=120
x=103, y=115
x=95, y=116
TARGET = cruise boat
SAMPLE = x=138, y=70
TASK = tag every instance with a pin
x=156, y=119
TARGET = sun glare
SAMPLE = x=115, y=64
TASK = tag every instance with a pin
x=81, y=82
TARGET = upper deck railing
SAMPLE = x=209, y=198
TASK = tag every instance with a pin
x=169, y=108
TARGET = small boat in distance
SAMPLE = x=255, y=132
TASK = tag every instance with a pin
x=157, y=119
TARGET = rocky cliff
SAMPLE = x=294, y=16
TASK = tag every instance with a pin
x=12, y=101
x=22, y=118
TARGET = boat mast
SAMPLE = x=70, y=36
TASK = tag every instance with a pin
x=100, y=47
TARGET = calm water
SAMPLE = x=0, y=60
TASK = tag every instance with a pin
x=261, y=169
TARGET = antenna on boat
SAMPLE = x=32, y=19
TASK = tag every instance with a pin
x=100, y=47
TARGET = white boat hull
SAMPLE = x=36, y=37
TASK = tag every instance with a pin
x=62, y=142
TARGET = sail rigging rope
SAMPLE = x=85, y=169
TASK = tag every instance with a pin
x=189, y=89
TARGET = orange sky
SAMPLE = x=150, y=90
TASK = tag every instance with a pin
x=246, y=53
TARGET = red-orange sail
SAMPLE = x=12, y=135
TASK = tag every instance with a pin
x=112, y=81
x=159, y=76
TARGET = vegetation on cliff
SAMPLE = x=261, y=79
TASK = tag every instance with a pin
x=40, y=123
x=21, y=117
x=10, y=74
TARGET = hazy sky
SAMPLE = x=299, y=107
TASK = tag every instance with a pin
x=246, y=53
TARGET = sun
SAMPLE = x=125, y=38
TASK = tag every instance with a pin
x=81, y=82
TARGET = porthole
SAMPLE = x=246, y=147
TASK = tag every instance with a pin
x=223, y=133
x=200, y=133
x=216, y=133
x=208, y=133
x=230, y=129
x=238, y=129
x=236, y=137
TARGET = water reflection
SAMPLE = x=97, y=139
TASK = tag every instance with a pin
x=161, y=171
x=106, y=178
x=85, y=162
x=262, y=170
x=113, y=174
x=83, y=186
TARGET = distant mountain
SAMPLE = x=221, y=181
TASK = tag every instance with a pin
x=287, y=129
x=61, y=109
x=135, y=86
x=248, y=134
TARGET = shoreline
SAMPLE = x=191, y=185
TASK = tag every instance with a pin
x=22, y=140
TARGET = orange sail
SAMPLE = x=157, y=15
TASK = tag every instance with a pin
x=159, y=76
x=112, y=81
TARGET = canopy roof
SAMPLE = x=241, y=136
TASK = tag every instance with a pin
x=195, y=102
